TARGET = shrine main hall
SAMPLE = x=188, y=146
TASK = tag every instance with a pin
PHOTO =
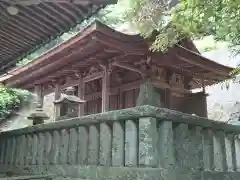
x=105, y=69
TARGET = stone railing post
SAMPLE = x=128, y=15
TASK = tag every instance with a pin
x=148, y=133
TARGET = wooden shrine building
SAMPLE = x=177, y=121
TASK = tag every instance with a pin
x=107, y=67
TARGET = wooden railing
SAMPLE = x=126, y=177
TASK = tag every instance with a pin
x=141, y=137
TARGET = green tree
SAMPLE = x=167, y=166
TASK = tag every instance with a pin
x=11, y=99
x=193, y=18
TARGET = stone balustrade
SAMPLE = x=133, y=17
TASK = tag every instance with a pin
x=155, y=143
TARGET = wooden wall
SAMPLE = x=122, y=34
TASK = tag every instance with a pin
x=192, y=104
x=128, y=100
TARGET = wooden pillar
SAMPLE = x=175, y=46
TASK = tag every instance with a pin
x=39, y=93
x=205, y=98
x=203, y=85
x=168, y=94
x=105, y=89
x=81, y=93
x=57, y=92
x=121, y=100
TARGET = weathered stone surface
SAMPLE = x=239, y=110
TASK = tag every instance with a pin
x=35, y=149
x=237, y=152
x=94, y=146
x=17, y=159
x=47, y=147
x=40, y=148
x=55, y=150
x=105, y=144
x=208, y=149
x=72, y=149
x=64, y=136
x=22, y=150
x=220, y=163
x=148, y=142
x=148, y=95
x=174, y=145
x=167, y=158
x=118, y=150
x=13, y=151
x=29, y=154
x=230, y=152
x=131, y=113
x=119, y=173
x=131, y=143
x=181, y=146
x=196, y=148
x=83, y=142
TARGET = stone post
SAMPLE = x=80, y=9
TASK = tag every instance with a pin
x=148, y=133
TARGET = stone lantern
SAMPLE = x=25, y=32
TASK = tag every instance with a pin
x=67, y=105
x=38, y=116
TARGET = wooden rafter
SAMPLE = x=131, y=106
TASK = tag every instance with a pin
x=129, y=67
x=36, y=23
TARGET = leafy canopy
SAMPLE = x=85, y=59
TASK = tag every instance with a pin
x=191, y=18
x=11, y=99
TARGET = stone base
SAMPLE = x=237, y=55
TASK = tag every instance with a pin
x=116, y=173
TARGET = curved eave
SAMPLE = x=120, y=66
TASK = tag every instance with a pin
x=99, y=38
x=96, y=35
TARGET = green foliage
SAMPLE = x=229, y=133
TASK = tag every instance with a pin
x=11, y=99
x=193, y=18
x=220, y=18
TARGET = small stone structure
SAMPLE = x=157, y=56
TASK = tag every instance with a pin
x=68, y=104
x=148, y=95
x=38, y=116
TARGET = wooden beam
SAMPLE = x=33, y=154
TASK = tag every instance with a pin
x=200, y=61
x=132, y=49
x=57, y=95
x=129, y=67
x=38, y=23
x=77, y=9
x=81, y=94
x=55, y=18
x=86, y=79
x=203, y=84
x=49, y=67
x=105, y=89
x=24, y=27
x=75, y=82
x=63, y=16
x=51, y=23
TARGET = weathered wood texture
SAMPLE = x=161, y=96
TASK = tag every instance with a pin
x=122, y=100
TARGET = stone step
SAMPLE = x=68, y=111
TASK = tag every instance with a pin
x=29, y=177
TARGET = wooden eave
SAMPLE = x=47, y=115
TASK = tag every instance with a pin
x=99, y=43
x=37, y=22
